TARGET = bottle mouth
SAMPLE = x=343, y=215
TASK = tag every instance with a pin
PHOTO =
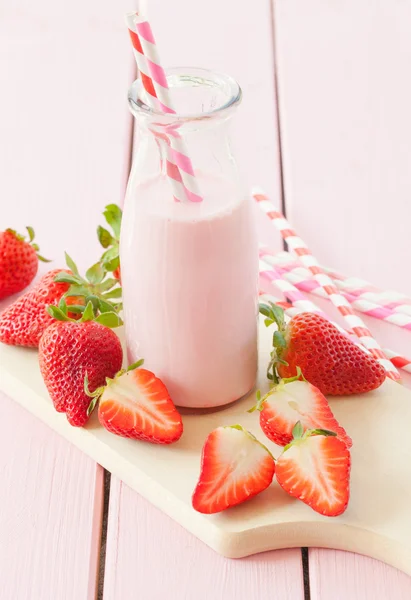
x=193, y=95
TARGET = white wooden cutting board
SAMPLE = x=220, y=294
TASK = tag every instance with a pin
x=378, y=519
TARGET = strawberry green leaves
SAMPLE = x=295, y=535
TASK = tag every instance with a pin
x=113, y=215
x=300, y=435
x=95, y=288
x=95, y=274
x=104, y=237
x=88, y=313
x=110, y=260
x=95, y=396
x=275, y=315
x=30, y=231
x=22, y=238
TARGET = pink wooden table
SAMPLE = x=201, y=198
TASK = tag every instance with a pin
x=69, y=531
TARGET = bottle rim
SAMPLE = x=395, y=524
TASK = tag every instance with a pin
x=189, y=77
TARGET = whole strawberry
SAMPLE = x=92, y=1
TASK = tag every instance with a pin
x=24, y=321
x=328, y=359
x=19, y=260
x=70, y=351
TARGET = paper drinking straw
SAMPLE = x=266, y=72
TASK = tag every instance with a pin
x=294, y=296
x=154, y=80
x=354, y=286
x=303, y=280
x=353, y=321
x=288, y=289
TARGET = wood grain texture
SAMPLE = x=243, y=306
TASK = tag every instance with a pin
x=345, y=129
x=150, y=555
x=64, y=78
x=336, y=575
x=340, y=575
x=50, y=512
x=63, y=147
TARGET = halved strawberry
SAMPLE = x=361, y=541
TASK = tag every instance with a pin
x=234, y=468
x=291, y=401
x=315, y=468
x=136, y=404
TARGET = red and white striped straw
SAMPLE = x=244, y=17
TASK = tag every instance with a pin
x=354, y=322
x=293, y=295
x=291, y=311
x=288, y=289
x=179, y=166
x=303, y=280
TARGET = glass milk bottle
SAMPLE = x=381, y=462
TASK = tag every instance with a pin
x=189, y=268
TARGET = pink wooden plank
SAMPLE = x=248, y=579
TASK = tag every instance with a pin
x=149, y=554
x=64, y=77
x=350, y=575
x=50, y=513
x=64, y=144
x=342, y=575
x=144, y=545
x=345, y=128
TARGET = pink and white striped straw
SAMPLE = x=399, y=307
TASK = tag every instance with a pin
x=179, y=166
x=303, y=280
x=295, y=297
x=354, y=322
x=361, y=289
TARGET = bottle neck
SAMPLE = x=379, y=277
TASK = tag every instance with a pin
x=194, y=142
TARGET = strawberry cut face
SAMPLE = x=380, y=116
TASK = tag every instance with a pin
x=297, y=401
x=235, y=467
x=316, y=470
x=137, y=405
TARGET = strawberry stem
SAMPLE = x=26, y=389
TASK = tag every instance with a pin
x=135, y=365
x=110, y=260
x=297, y=377
x=95, y=396
x=275, y=315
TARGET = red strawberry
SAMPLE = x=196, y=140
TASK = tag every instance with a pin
x=327, y=358
x=315, y=468
x=234, y=468
x=19, y=260
x=117, y=273
x=291, y=401
x=70, y=350
x=75, y=301
x=24, y=321
x=136, y=404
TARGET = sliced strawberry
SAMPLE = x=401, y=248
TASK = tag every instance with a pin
x=137, y=405
x=234, y=467
x=315, y=468
x=293, y=401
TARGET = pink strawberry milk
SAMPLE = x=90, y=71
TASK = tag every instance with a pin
x=189, y=259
